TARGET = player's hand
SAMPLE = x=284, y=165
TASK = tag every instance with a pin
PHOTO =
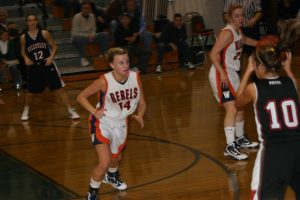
x=49, y=61
x=28, y=62
x=250, y=66
x=287, y=63
x=1, y=101
x=139, y=119
x=224, y=80
x=99, y=113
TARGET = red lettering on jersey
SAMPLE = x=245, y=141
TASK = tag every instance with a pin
x=118, y=96
x=127, y=93
x=112, y=96
x=135, y=90
x=238, y=44
x=122, y=95
x=130, y=94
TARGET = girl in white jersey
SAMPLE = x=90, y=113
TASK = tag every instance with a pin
x=119, y=93
x=224, y=79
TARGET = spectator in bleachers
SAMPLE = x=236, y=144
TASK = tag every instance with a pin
x=174, y=38
x=287, y=9
x=69, y=6
x=114, y=10
x=138, y=20
x=4, y=24
x=127, y=36
x=9, y=55
x=84, y=32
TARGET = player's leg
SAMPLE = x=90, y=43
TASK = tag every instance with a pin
x=242, y=141
x=117, y=144
x=104, y=159
x=229, y=128
x=35, y=85
x=66, y=100
x=55, y=82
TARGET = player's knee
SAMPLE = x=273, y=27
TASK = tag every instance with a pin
x=103, y=166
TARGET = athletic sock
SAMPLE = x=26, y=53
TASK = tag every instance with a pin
x=239, y=129
x=229, y=133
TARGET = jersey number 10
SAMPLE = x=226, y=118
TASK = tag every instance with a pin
x=289, y=114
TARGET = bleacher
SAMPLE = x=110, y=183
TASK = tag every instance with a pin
x=67, y=58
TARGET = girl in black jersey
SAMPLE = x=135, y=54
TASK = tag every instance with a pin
x=42, y=73
x=276, y=106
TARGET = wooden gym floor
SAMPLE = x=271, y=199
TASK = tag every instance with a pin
x=178, y=155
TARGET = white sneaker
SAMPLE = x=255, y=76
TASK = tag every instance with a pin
x=233, y=152
x=25, y=114
x=158, y=69
x=73, y=114
x=189, y=65
x=115, y=181
x=84, y=62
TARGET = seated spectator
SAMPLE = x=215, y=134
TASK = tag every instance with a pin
x=9, y=58
x=174, y=38
x=138, y=20
x=114, y=10
x=11, y=27
x=69, y=6
x=127, y=36
x=84, y=32
x=287, y=9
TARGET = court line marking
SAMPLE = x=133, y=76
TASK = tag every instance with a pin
x=197, y=153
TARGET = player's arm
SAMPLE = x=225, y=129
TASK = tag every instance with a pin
x=287, y=67
x=52, y=44
x=141, y=107
x=249, y=41
x=246, y=92
x=27, y=60
x=95, y=87
x=224, y=39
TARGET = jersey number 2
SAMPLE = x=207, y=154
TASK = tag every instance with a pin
x=289, y=114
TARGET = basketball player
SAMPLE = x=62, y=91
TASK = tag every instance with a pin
x=38, y=50
x=119, y=93
x=276, y=107
x=224, y=79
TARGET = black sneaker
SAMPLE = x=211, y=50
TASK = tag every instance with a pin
x=92, y=196
x=243, y=142
x=115, y=180
x=233, y=152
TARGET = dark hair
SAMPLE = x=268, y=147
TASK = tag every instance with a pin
x=232, y=8
x=268, y=54
x=31, y=14
x=177, y=15
x=112, y=52
x=3, y=30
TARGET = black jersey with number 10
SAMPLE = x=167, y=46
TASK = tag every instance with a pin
x=277, y=110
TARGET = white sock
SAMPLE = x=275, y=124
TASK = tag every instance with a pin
x=112, y=170
x=95, y=184
x=70, y=109
x=26, y=107
x=239, y=129
x=229, y=133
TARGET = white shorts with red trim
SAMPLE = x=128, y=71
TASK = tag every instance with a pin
x=223, y=95
x=110, y=131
